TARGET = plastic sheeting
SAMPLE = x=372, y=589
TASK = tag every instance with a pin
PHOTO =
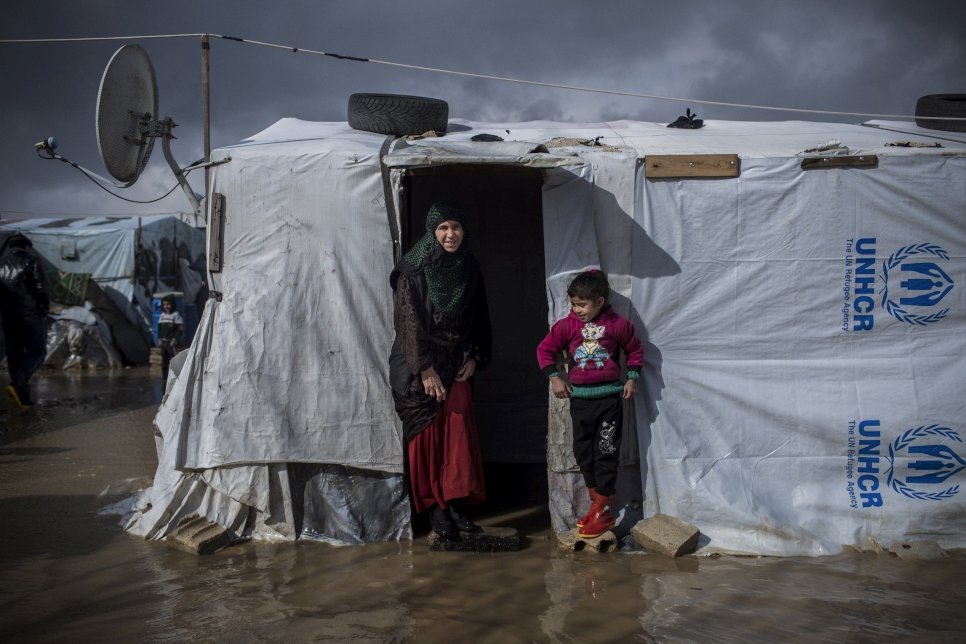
x=280, y=500
x=810, y=383
x=803, y=328
x=282, y=370
x=77, y=338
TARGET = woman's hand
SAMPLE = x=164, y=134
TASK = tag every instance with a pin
x=561, y=389
x=433, y=385
x=467, y=370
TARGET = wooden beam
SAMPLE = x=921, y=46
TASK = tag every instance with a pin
x=863, y=161
x=666, y=166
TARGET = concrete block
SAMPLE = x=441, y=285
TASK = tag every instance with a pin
x=571, y=540
x=199, y=536
x=666, y=535
x=490, y=540
x=918, y=550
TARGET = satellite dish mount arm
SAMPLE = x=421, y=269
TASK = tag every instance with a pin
x=166, y=136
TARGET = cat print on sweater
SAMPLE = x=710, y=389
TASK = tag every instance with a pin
x=590, y=352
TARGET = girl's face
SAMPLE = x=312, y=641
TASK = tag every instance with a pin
x=586, y=309
x=166, y=305
x=449, y=234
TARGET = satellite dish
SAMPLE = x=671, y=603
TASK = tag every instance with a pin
x=127, y=103
x=128, y=123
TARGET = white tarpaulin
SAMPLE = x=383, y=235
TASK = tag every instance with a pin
x=804, y=329
x=813, y=354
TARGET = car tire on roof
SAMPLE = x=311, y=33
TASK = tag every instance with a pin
x=947, y=105
x=398, y=114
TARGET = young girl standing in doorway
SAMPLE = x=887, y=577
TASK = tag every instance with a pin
x=592, y=337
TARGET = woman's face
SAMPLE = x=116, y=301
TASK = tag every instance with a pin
x=449, y=234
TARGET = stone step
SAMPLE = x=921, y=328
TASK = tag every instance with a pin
x=199, y=536
x=571, y=540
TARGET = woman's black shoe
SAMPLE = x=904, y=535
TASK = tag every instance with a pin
x=461, y=521
x=443, y=525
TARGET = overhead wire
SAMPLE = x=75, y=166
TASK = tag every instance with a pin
x=505, y=79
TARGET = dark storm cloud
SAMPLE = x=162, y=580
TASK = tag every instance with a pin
x=870, y=56
x=862, y=57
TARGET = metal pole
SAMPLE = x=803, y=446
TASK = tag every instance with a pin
x=206, y=111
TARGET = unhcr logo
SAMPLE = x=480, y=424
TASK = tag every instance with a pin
x=914, y=284
x=929, y=463
x=859, y=286
x=862, y=468
x=919, y=464
x=922, y=284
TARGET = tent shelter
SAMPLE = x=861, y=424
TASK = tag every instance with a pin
x=128, y=257
x=798, y=287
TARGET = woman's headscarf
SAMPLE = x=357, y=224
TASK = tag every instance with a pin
x=451, y=277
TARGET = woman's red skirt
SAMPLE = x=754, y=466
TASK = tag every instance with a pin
x=444, y=459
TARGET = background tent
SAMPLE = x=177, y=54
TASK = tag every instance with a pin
x=797, y=285
x=128, y=258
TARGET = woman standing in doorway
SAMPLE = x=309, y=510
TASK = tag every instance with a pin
x=443, y=337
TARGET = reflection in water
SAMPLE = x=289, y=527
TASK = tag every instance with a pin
x=848, y=598
x=262, y=592
x=563, y=595
x=71, y=575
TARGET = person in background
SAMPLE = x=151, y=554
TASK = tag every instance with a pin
x=170, y=334
x=23, y=309
x=443, y=337
x=593, y=336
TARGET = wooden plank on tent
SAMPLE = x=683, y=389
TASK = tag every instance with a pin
x=216, y=257
x=666, y=166
x=861, y=161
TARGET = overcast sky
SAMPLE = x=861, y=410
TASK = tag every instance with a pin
x=869, y=56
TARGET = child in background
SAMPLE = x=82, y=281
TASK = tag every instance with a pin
x=593, y=335
x=170, y=333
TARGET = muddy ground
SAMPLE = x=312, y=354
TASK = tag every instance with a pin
x=69, y=574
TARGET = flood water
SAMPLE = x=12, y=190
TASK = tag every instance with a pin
x=69, y=574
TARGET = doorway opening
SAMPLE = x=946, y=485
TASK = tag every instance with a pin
x=504, y=228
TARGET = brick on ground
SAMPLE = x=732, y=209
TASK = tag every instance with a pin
x=666, y=535
x=916, y=550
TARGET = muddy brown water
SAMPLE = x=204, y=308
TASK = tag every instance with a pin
x=68, y=574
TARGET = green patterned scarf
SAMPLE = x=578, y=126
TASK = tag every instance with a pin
x=451, y=277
